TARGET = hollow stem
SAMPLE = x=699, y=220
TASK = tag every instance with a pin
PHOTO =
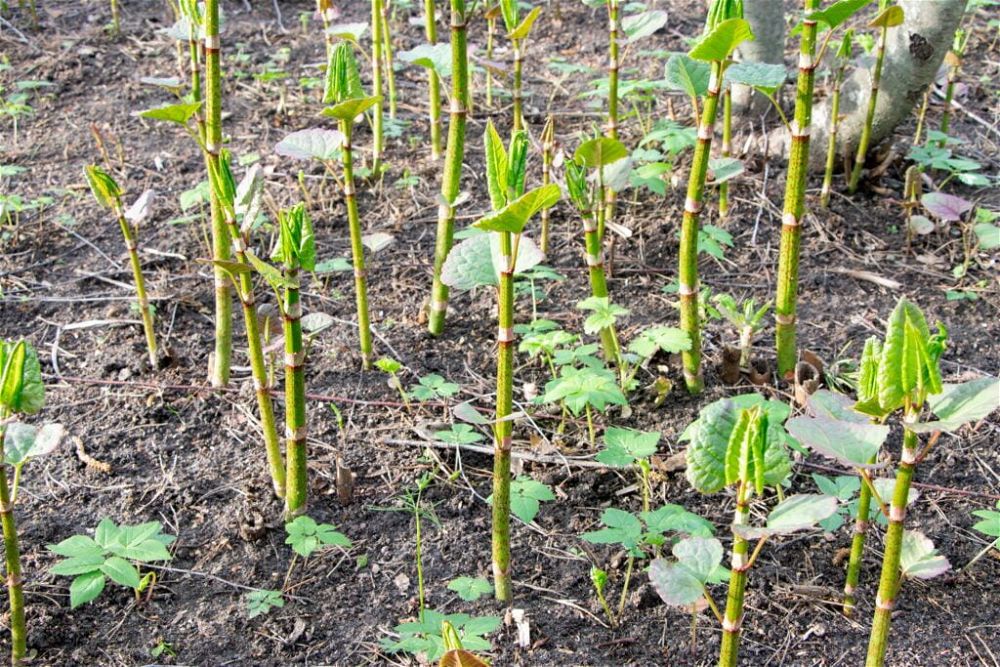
x=831, y=146
x=517, y=46
x=295, y=400
x=611, y=131
x=727, y=147
x=387, y=58
x=140, y=286
x=378, y=135
x=454, y=154
x=688, y=271
x=503, y=430
x=598, y=280
x=433, y=82
x=889, y=581
x=12, y=560
x=548, y=155
x=733, y=618
x=866, y=131
x=795, y=200
x=857, y=547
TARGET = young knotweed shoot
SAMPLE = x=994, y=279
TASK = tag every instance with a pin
x=889, y=16
x=435, y=636
x=988, y=525
x=740, y=443
x=296, y=252
x=21, y=393
x=716, y=46
x=306, y=537
x=843, y=59
x=436, y=59
x=452, y=175
x=378, y=57
x=954, y=60
x=548, y=139
x=493, y=259
x=517, y=31
x=387, y=59
x=746, y=317
x=116, y=553
x=109, y=195
x=392, y=368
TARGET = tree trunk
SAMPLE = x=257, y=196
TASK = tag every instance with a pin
x=767, y=20
x=914, y=55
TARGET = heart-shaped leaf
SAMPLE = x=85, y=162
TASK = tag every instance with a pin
x=436, y=57
x=476, y=261
x=795, y=513
x=720, y=43
x=314, y=143
x=642, y=25
x=946, y=207
x=24, y=441
x=838, y=12
x=599, y=152
x=960, y=404
x=514, y=216
x=765, y=76
x=179, y=113
x=347, y=111
x=724, y=169
x=849, y=443
x=687, y=75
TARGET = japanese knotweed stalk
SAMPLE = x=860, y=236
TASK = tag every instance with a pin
x=378, y=53
x=843, y=57
x=387, y=58
x=733, y=618
x=866, y=131
x=455, y=152
x=548, y=156
x=433, y=82
x=727, y=147
x=614, y=63
x=795, y=198
x=12, y=560
x=212, y=139
x=504, y=425
x=954, y=60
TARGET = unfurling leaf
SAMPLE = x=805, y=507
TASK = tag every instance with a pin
x=514, y=216
x=104, y=188
x=720, y=43
x=179, y=113
x=907, y=362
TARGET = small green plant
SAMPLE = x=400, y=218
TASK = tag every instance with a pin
x=425, y=638
x=526, y=496
x=305, y=536
x=988, y=525
x=939, y=154
x=109, y=195
x=746, y=317
x=470, y=589
x=432, y=387
x=261, y=602
x=392, y=368
x=493, y=259
x=459, y=434
x=584, y=390
x=21, y=393
x=116, y=553
x=954, y=60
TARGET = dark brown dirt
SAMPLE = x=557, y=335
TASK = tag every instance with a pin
x=190, y=457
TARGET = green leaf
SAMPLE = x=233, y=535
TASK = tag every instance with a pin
x=179, y=113
x=24, y=441
x=675, y=519
x=599, y=152
x=85, y=588
x=623, y=446
x=496, y=166
x=476, y=261
x=525, y=496
x=388, y=365
x=675, y=584
x=886, y=488
x=620, y=528
x=642, y=25
x=764, y=76
x=435, y=57
x=838, y=12
x=470, y=589
x=75, y=565
x=313, y=143
x=352, y=32
x=720, y=43
x=831, y=405
x=580, y=387
x=346, y=111
x=702, y=556
x=77, y=545
x=21, y=388
x=849, y=443
x=524, y=28
x=988, y=235
x=603, y=313
x=990, y=524
x=274, y=277
x=261, y=602
x=724, y=169
x=903, y=363
x=918, y=559
x=960, y=404
x=668, y=339
x=515, y=215
x=121, y=572
x=467, y=413
x=104, y=188
x=106, y=533
x=459, y=434
x=795, y=513
x=890, y=17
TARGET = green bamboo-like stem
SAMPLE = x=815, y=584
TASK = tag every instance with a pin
x=727, y=147
x=955, y=57
x=795, y=199
x=220, y=364
x=491, y=30
x=688, y=273
x=454, y=155
x=889, y=581
x=548, y=156
x=357, y=247
x=611, y=131
x=857, y=546
x=503, y=428
x=598, y=279
x=921, y=117
x=518, y=47
x=433, y=82
x=378, y=136
x=866, y=131
x=295, y=398
x=12, y=559
x=733, y=619
x=387, y=61
x=831, y=147
x=116, y=26
x=140, y=285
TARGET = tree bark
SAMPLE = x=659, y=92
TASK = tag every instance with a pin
x=914, y=55
x=767, y=20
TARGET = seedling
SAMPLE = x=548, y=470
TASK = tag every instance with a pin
x=988, y=525
x=889, y=16
x=452, y=176
x=746, y=317
x=425, y=638
x=455, y=654
x=585, y=390
x=116, y=553
x=526, y=496
x=493, y=259
x=305, y=536
x=470, y=589
x=740, y=443
x=432, y=387
x=724, y=31
x=21, y=393
x=261, y=602
x=392, y=368
x=954, y=60
x=109, y=195
x=843, y=57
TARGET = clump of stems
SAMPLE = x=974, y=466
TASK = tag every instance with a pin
x=455, y=152
x=843, y=58
x=109, y=195
x=296, y=252
x=886, y=19
x=433, y=82
x=722, y=12
x=795, y=198
x=344, y=90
